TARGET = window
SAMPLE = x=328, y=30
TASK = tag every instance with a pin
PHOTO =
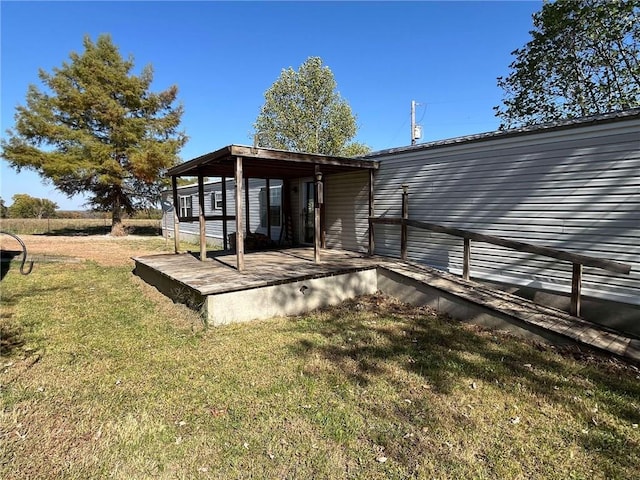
x=216, y=200
x=275, y=205
x=185, y=206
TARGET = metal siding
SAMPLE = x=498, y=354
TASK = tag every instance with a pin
x=576, y=190
x=214, y=228
x=347, y=211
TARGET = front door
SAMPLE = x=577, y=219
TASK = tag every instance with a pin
x=307, y=202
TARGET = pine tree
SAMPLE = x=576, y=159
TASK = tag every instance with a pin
x=98, y=129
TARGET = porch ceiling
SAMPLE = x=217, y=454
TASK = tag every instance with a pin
x=267, y=163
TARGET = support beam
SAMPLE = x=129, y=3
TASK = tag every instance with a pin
x=176, y=219
x=239, y=219
x=466, y=259
x=201, y=220
x=316, y=214
x=576, y=289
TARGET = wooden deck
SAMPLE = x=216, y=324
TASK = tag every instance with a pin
x=217, y=276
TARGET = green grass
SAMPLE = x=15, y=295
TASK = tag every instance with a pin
x=104, y=378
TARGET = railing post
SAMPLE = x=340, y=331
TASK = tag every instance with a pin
x=466, y=259
x=405, y=217
x=576, y=287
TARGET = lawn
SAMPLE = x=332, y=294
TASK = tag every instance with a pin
x=103, y=377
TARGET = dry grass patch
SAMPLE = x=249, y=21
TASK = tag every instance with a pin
x=107, y=378
x=103, y=249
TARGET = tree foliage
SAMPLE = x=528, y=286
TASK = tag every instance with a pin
x=26, y=206
x=4, y=211
x=303, y=112
x=583, y=59
x=98, y=129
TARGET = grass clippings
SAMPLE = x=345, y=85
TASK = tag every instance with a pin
x=102, y=377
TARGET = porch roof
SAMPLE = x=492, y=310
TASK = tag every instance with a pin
x=267, y=163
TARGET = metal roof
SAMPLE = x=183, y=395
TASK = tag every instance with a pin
x=531, y=129
x=267, y=163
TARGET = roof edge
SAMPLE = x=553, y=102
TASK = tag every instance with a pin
x=246, y=151
x=615, y=116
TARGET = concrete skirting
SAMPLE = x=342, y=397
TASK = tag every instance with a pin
x=292, y=298
x=302, y=296
x=622, y=317
x=213, y=242
x=415, y=292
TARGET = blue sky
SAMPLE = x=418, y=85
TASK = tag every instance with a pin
x=223, y=56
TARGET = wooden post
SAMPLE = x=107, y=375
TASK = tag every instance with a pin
x=239, y=225
x=176, y=219
x=405, y=216
x=316, y=215
x=576, y=287
x=225, y=240
x=202, y=222
x=466, y=259
x=372, y=243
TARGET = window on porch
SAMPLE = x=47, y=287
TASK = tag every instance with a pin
x=275, y=205
x=186, y=209
x=216, y=200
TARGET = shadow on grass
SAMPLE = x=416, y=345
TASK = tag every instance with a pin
x=6, y=257
x=11, y=337
x=15, y=333
x=367, y=337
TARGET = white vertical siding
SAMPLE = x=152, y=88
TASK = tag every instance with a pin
x=575, y=189
x=347, y=211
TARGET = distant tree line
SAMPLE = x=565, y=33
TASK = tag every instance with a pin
x=26, y=206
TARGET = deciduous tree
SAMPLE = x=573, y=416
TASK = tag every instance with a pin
x=583, y=59
x=26, y=206
x=303, y=112
x=97, y=129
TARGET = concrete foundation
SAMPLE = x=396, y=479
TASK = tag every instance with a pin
x=289, y=284
x=288, y=298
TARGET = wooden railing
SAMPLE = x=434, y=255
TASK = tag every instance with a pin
x=578, y=261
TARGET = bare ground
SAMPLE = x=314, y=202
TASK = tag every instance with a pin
x=105, y=250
